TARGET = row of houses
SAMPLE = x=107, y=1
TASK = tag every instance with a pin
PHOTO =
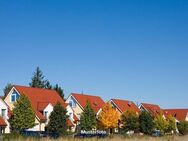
x=43, y=101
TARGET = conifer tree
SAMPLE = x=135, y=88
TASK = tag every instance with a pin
x=57, y=120
x=183, y=127
x=146, y=123
x=23, y=115
x=59, y=90
x=88, y=118
x=7, y=89
x=38, y=81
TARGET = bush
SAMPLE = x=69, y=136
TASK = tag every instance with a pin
x=183, y=127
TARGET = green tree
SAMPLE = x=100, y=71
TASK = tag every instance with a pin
x=38, y=81
x=160, y=123
x=23, y=115
x=7, y=89
x=171, y=124
x=130, y=121
x=183, y=127
x=146, y=123
x=59, y=90
x=88, y=118
x=57, y=120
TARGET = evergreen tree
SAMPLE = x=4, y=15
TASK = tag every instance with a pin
x=146, y=123
x=7, y=89
x=59, y=90
x=23, y=115
x=88, y=118
x=130, y=121
x=58, y=119
x=37, y=81
x=183, y=127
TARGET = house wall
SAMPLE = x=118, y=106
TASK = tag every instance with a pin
x=8, y=98
x=186, y=117
x=77, y=109
x=48, y=109
x=38, y=126
x=4, y=106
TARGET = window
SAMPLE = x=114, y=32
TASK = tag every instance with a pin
x=46, y=114
x=78, y=115
x=3, y=112
x=14, y=96
x=72, y=103
x=70, y=114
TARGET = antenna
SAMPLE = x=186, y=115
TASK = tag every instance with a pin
x=82, y=92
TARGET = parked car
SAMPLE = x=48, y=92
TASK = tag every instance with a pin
x=156, y=133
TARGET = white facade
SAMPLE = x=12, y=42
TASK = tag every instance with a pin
x=4, y=115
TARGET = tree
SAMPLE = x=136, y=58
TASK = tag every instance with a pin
x=146, y=123
x=59, y=90
x=23, y=115
x=88, y=118
x=160, y=123
x=57, y=120
x=171, y=124
x=7, y=89
x=108, y=117
x=130, y=121
x=183, y=127
x=37, y=81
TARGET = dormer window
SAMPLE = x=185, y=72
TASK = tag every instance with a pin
x=14, y=96
x=3, y=111
x=72, y=103
x=46, y=114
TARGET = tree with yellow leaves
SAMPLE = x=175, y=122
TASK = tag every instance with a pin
x=108, y=117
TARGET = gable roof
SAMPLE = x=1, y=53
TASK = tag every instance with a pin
x=40, y=98
x=124, y=105
x=2, y=122
x=95, y=101
x=152, y=108
x=179, y=114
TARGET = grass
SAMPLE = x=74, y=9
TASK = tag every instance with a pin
x=111, y=138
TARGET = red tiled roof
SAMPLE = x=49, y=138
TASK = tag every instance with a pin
x=95, y=101
x=69, y=123
x=40, y=116
x=179, y=114
x=42, y=105
x=152, y=108
x=2, y=122
x=75, y=118
x=124, y=105
x=40, y=98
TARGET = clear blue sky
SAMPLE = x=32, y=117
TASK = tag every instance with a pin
x=130, y=49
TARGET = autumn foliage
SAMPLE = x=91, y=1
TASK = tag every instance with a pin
x=108, y=117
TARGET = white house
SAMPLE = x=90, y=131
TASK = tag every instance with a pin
x=42, y=102
x=4, y=124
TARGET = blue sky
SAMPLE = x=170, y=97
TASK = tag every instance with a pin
x=130, y=49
